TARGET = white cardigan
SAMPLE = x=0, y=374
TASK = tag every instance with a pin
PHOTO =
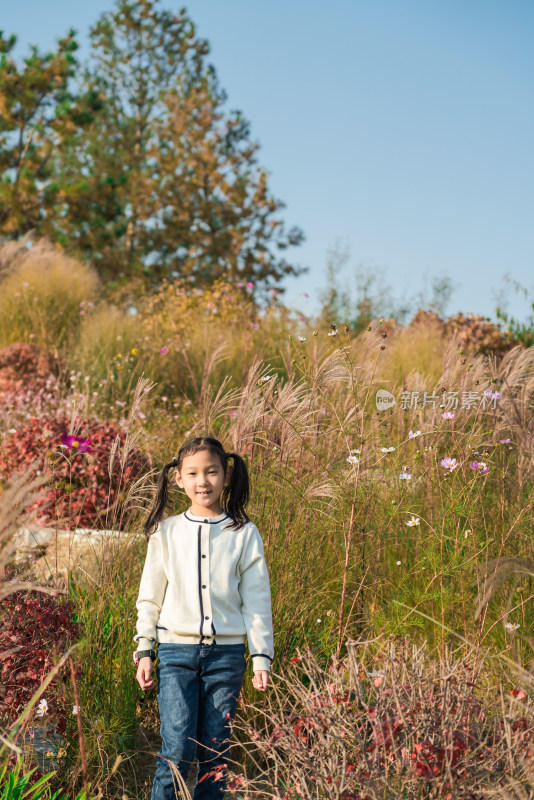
x=203, y=582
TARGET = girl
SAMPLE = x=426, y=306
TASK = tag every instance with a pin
x=204, y=588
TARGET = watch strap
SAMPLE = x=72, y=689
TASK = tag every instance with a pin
x=139, y=654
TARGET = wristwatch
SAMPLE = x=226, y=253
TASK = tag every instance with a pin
x=142, y=654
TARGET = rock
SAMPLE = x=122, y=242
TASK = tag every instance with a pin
x=52, y=554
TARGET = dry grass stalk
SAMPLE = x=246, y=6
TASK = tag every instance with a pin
x=21, y=493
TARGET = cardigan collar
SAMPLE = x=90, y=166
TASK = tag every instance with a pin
x=211, y=520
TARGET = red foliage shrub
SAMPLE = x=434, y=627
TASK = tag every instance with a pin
x=22, y=364
x=83, y=490
x=36, y=627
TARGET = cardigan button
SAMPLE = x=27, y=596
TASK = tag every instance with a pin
x=203, y=556
x=206, y=617
x=203, y=585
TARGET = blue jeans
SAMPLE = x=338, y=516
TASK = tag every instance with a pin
x=198, y=689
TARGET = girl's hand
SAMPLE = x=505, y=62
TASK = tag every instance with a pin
x=144, y=669
x=261, y=678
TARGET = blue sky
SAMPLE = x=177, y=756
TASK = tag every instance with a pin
x=400, y=129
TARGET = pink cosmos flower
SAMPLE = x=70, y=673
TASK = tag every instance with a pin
x=449, y=463
x=250, y=285
x=479, y=466
x=76, y=443
x=239, y=285
x=163, y=350
x=233, y=413
x=254, y=325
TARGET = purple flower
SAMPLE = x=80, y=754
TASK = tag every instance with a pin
x=449, y=463
x=163, y=350
x=75, y=443
x=504, y=441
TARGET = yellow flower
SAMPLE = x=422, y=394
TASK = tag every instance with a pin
x=134, y=351
x=119, y=366
x=119, y=355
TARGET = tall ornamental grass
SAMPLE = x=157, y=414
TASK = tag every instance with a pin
x=44, y=294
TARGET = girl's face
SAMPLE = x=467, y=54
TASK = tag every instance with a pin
x=202, y=477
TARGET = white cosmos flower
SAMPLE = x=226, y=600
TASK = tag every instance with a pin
x=356, y=451
x=388, y=449
x=74, y=709
x=353, y=459
x=333, y=333
x=302, y=338
x=412, y=435
x=376, y=673
x=42, y=708
x=413, y=521
x=398, y=563
x=511, y=626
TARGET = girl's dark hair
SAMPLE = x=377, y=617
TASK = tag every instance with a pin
x=235, y=494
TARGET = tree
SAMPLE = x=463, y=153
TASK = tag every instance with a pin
x=164, y=182
x=38, y=114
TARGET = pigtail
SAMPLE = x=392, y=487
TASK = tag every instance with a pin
x=235, y=494
x=160, y=501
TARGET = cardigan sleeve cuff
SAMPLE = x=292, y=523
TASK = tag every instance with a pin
x=144, y=644
x=261, y=662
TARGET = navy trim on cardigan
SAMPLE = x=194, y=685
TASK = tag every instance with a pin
x=252, y=655
x=200, y=585
x=206, y=520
